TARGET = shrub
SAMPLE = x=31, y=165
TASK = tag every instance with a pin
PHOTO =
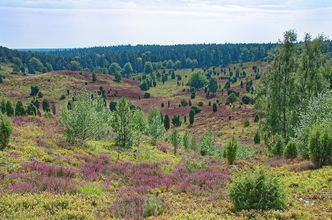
x=256, y=190
x=19, y=109
x=318, y=111
x=214, y=107
x=247, y=100
x=184, y=103
x=153, y=206
x=155, y=127
x=256, y=118
x=231, y=98
x=257, y=138
x=320, y=146
x=290, y=150
x=230, y=151
x=88, y=119
x=167, y=122
x=147, y=95
x=246, y=123
x=207, y=143
x=191, y=116
x=5, y=131
x=195, y=109
x=278, y=145
x=200, y=104
x=10, y=108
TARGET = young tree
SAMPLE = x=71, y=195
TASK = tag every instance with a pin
x=207, y=143
x=46, y=105
x=214, y=107
x=19, y=109
x=94, y=77
x=5, y=131
x=117, y=76
x=127, y=69
x=155, y=126
x=191, y=116
x=197, y=80
x=193, y=144
x=175, y=140
x=122, y=123
x=167, y=122
x=213, y=85
x=186, y=139
x=10, y=108
x=230, y=150
x=88, y=119
x=114, y=68
x=148, y=68
x=176, y=121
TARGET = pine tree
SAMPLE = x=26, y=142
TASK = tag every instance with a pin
x=19, y=109
x=5, y=131
x=191, y=116
x=166, y=122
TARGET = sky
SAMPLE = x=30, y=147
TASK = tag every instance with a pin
x=86, y=23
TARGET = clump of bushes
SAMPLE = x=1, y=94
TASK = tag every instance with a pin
x=147, y=95
x=246, y=123
x=256, y=189
x=5, y=131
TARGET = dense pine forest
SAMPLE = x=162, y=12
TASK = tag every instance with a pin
x=98, y=59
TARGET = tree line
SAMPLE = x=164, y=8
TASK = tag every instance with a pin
x=99, y=59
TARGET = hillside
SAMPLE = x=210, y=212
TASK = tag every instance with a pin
x=44, y=176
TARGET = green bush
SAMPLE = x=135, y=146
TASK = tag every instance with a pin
x=278, y=145
x=320, y=146
x=207, y=143
x=230, y=151
x=5, y=131
x=246, y=123
x=257, y=138
x=88, y=119
x=318, y=111
x=153, y=206
x=290, y=150
x=256, y=190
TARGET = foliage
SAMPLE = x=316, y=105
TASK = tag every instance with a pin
x=167, y=122
x=122, y=123
x=186, y=139
x=88, y=119
x=318, y=111
x=207, y=143
x=230, y=150
x=128, y=69
x=197, y=80
x=192, y=116
x=175, y=140
x=155, y=127
x=214, y=107
x=5, y=131
x=256, y=189
x=295, y=75
x=320, y=145
x=278, y=145
x=231, y=98
x=290, y=150
x=153, y=206
x=19, y=109
x=257, y=137
x=213, y=85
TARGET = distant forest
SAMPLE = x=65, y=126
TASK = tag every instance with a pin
x=99, y=59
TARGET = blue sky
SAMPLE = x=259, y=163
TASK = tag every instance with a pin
x=84, y=23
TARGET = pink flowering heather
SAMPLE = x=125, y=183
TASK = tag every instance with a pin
x=49, y=169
